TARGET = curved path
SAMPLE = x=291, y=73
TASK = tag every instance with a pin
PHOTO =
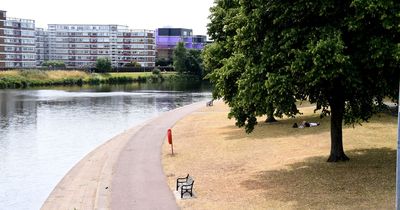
x=123, y=173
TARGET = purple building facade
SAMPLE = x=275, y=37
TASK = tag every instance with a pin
x=168, y=38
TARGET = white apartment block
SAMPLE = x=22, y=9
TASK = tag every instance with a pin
x=42, y=46
x=79, y=45
x=17, y=42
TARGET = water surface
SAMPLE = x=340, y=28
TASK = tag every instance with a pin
x=45, y=132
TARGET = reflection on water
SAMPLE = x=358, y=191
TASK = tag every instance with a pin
x=43, y=133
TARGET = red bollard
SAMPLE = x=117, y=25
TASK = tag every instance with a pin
x=169, y=134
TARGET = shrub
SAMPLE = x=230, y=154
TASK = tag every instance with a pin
x=52, y=63
x=156, y=71
x=134, y=64
x=103, y=64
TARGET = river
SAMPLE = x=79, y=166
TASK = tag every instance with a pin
x=45, y=132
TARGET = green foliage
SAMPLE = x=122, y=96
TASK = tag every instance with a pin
x=180, y=57
x=223, y=65
x=134, y=64
x=53, y=63
x=103, y=64
x=156, y=76
x=187, y=61
x=31, y=78
x=156, y=71
x=194, y=62
x=342, y=55
x=164, y=62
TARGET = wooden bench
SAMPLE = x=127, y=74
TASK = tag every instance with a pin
x=185, y=184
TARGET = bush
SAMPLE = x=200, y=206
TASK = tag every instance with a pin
x=156, y=71
x=164, y=62
x=58, y=64
x=94, y=81
x=103, y=64
x=134, y=64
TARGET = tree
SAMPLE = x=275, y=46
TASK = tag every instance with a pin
x=225, y=64
x=134, y=64
x=218, y=55
x=180, y=57
x=164, y=62
x=341, y=55
x=194, y=63
x=188, y=60
x=103, y=64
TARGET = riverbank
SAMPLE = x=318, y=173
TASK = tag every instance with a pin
x=279, y=167
x=104, y=178
x=275, y=167
x=32, y=78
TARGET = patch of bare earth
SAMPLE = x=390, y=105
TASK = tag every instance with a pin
x=279, y=167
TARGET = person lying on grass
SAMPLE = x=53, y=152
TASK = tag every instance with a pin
x=306, y=124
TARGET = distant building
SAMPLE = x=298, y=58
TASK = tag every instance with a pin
x=168, y=38
x=17, y=42
x=80, y=45
x=42, y=46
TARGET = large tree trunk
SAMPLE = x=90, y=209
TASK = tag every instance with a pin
x=270, y=114
x=337, y=111
x=270, y=119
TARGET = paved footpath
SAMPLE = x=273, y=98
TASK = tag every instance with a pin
x=139, y=181
x=124, y=173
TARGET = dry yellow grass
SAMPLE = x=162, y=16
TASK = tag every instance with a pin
x=37, y=74
x=278, y=167
x=8, y=73
x=67, y=74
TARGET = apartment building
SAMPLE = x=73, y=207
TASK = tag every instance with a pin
x=168, y=38
x=79, y=45
x=17, y=42
x=42, y=46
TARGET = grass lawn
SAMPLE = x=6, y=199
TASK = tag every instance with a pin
x=130, y=74
x=279, y=167
x=138, y=74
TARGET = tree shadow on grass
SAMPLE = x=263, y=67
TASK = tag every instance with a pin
x=367, y=181
x=282, y=128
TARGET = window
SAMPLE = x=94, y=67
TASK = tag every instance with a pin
x=8, y=31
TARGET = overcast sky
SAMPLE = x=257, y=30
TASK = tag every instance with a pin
x=137, y=14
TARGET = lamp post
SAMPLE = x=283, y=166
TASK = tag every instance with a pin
x=398, y=156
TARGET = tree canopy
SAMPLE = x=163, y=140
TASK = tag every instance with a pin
x=164, y=62
x=54, y=63
x=103, y=64
x=133, y=64
x=341, y=55
x=187, y=60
